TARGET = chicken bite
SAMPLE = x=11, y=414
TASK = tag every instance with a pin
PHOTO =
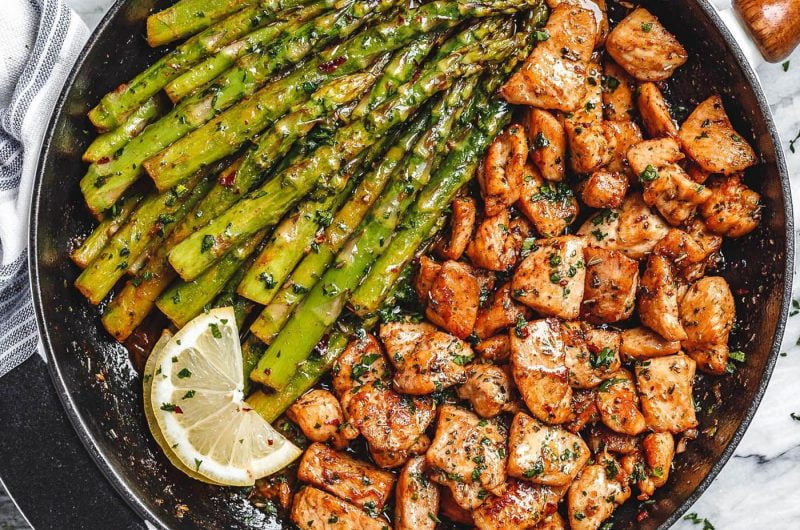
x=709, y=138
x=591, y=354
x=462, y=222
x=544, y=454
x=733, y=210
x=497, y=242
x=342, y=475
x=689, y=252
x=501, y=176
x=522, y=506
x=707, y=313
x=553, y=76
x=501, y=313
x=618, y=404
x=547, y=143
x=618, y=93
x=589, y=145
x=539, y=369
x=468, y=455
x=604, y=189
x=642, y=343
x=488, y=389
x=659, y=450
x=315, y=509
x=549, y=206
x=320, y=417
x=610, y=288
x=658, y=300
x=596, y=493
x=603, y=439
x=665, y=386
x=495, y=349
x=360, y=363
x=426, y=360
x=584, y=410
x=621, y=135
x=551, y=279
x=644, y=48
x=416, y=498
x=655, y=111
x=452, y=299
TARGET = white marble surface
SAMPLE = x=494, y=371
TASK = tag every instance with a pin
x=760, y=486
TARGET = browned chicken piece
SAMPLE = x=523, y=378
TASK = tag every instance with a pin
x=622, y=135
x=655, y=111
x=393, y=425
x=709, y=139
x=644, y=48
x=539, y=369
x=554, y=521
x=486, y=281
x=641, y=344
x=658, y=299
x=497, y=242
x=733, y=210
x=362, y=362
x=596, y=492
x=634, y=229
x=416, y=499
x=320, y=417
x=673, y=193
x=522, y=506
x=602, y=439
x=425, y=359
x=655, y=153
x=598, y=9
x=609, y=293
x=584, y=410
x=551, y=279
x=618, y=404
x=488, y=389
x=550, y=206
x=462, y=222
x=689, y=255
x=589, y=145
x=342, y=475
x=501, y=176
x=314, y=509
x=544, y=454
x=494, y=349
x=604, y=189
x=591, y=354
x=547, y=143
x=554, y=74
x=665, y=386
x=618, y=92
x=278, y=488
x=500, y=314
x=659, y=450
x=468, y=455
x=428, y=271
x=707, y=313
x=452, y=300
x=449, y=508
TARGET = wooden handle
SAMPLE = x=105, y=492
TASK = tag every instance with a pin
x=774, y=25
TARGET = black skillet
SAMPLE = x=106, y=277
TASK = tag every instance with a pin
x=107, y=414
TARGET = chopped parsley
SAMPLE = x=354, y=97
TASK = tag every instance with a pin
x=215, y=330
x=207, y=243
x=649, y=174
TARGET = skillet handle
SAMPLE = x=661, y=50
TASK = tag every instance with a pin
x=774, y=25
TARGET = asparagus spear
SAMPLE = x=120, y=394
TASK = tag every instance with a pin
x=117, y=104
x=187, y=17
x=277, y=312
x=153, y=219
x=103, y=183
x=130, y=306
x=324, y=303
x=266, y=205
x=230, y=130
x=203, y=73
x=227, y=297
x=185, y=300
x=106, y=144
x=93, y=245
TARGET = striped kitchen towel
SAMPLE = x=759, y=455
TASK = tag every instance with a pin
x=41, y=40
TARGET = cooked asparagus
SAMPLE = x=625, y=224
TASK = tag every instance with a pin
x=187, y=17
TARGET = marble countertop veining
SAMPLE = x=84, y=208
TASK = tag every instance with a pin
x=759, y=485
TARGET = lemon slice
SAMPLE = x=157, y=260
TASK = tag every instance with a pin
x=197, y=398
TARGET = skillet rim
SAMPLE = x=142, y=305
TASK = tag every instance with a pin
x=119, y=483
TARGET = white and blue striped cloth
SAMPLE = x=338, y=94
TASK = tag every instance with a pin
x=40, y=41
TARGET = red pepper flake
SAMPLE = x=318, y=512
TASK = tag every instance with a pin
x=269, y=442
x=267, y=371
x=641, y=516
x=227, y=179
x=121, y=88
x=246, y=409
x=104, y=160
x=178, y=410
x=742, y=292
x=332, y=65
